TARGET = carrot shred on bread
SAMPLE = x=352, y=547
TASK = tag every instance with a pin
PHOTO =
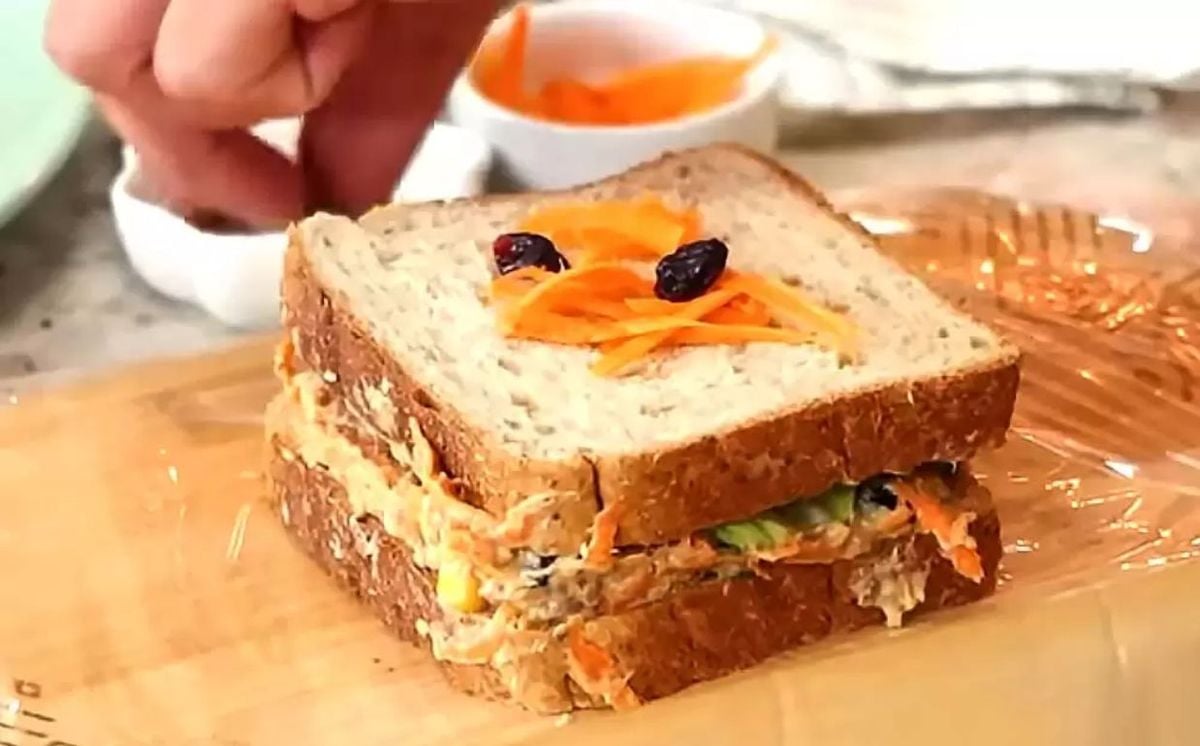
x=517, y=282
x=791, y=307
x=610, y=230
x=558, y=291
x=640, y=345
x=602, y=295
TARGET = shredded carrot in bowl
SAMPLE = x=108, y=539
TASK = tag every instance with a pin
x=645, y=94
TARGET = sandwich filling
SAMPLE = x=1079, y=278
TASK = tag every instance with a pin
x=503, y=600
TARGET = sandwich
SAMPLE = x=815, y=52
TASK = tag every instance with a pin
x=592, y=447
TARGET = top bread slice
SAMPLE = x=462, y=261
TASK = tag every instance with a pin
x=392, y=310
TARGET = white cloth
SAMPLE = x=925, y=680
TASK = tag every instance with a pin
x=920, y=55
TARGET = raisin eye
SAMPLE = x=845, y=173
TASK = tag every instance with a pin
x=513, y=251
x=690, y=270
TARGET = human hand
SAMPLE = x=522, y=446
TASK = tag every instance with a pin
x=181, y=80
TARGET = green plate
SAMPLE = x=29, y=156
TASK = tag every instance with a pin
x=41, y=112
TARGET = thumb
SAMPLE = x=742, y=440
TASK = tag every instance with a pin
x=355, y=146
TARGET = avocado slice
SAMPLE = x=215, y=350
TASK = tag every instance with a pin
x=741, y=535
x=777, y=530
x=772, y=528
x=806, y=513
x=757, y=533
x=838, y=501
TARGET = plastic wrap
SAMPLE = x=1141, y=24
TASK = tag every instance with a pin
x=151, y=597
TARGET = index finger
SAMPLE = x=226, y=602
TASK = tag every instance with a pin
x=108, y=46
x=355, y=146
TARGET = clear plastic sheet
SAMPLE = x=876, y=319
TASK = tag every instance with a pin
x=1103, y=472
x=150, y=597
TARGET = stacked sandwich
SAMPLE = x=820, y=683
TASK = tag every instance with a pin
x=593, y=447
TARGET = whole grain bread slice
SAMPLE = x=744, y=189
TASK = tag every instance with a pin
x=695, y=635
x=391, y=310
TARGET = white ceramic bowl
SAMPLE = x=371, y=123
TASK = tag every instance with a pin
x=591, y=39
x=235, y=277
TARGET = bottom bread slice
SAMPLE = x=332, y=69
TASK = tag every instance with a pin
x=697, y=634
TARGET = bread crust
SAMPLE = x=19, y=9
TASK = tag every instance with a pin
x=330, y=341
x=375, y=567
x=670, y=492
x=695, y=635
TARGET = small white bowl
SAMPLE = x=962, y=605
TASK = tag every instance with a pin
x=235, y=277
x=591, y=39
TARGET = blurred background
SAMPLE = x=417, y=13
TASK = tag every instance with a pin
x=1083, y=103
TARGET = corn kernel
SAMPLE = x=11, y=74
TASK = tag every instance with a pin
x=458, y=588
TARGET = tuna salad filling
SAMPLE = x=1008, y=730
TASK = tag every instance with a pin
x=483, y=562
x=504, y=601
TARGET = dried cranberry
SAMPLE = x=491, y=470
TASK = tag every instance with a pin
x=513, y=251
x=690, y=270
x=876, y=490
x=946, y=470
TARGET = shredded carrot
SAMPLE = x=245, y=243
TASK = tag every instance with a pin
x=967, y=562
x=671, y=90
x=602, y=307
x=611, y=230
x=517, y=282
x=603, y=245
x=703, y=306
x=940, y=521
x=638, y=347
x=688, y=219
x=641, y=327
x=568, y=100
x=560, y=288
x=598, y=553
x=652, y=306
x=791, y=307
x=617, y=357
x=610, y=306
x=499, y=65
x=677, y=88
x=741, y=312
x=559, y=329
x=594, y=661
x=595, y=670
x=690, y=331
x=644, y=94
x=609, y=346
x=602, y=301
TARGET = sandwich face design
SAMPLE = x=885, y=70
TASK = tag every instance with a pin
x=593, y=447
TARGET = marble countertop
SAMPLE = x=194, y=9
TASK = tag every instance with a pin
x=69, y=302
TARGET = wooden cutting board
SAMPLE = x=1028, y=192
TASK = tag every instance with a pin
x=150, y=596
